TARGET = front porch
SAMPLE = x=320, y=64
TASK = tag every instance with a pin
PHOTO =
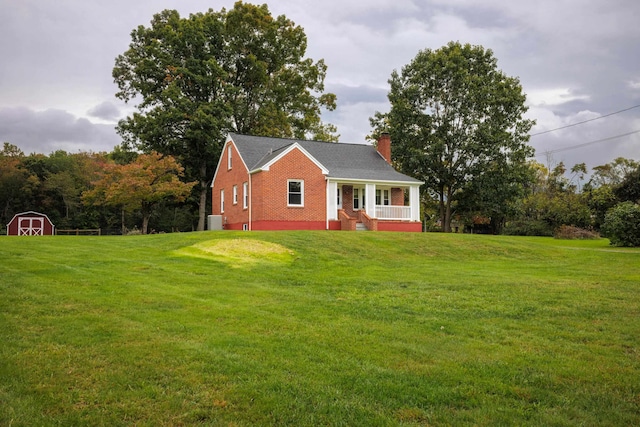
x=380, y=206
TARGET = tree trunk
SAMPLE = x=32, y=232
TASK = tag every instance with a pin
x=146, y=214
x=145, y=222
x=446, y=225
x=442, y=209
x=447, y=217
x=204, y=188
x=202, y=206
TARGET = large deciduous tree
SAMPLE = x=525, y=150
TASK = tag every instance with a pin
x=199, y=77
x=455, y=118
x=140, y=185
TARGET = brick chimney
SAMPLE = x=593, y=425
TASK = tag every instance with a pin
x=384, y=146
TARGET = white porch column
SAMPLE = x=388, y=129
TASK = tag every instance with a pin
x=332, y=207
x=370, y=192
x=414, y=202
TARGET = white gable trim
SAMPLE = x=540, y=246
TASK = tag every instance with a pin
x=289, y=149
x=228, y=141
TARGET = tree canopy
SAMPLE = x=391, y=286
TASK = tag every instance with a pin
x=455, y=118
x=197, y=78
x=140, y=185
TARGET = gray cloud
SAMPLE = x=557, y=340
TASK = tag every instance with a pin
x=348, y=95
x=572, y=60
x=50, y=130
x=105, y=111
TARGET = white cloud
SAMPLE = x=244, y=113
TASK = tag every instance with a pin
x=550, y=97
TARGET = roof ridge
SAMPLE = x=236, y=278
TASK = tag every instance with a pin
x=298, y=140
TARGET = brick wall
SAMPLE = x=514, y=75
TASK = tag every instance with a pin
x=270, y=190
x=397, y=197
x=234, y=215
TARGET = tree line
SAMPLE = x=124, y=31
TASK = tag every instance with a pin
x=117, y=192
x=123, y=191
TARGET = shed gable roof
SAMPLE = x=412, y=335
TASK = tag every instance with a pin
x=30, y=214
x=343, y=161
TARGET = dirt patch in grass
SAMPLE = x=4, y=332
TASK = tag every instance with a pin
x=240, y=252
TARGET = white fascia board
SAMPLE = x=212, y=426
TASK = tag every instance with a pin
x=370, y=181
x=290, y=148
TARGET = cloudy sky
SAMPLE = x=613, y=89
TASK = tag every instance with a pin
x=576, y=59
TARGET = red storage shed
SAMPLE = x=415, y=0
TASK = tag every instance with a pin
x=30, y=224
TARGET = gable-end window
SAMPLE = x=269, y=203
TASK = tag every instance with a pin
x=235, y=194
x=295, y=192
x=221, y=201
x=229, y=158
x=245, y=195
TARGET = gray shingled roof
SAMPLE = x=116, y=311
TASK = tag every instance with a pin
x=344, y=161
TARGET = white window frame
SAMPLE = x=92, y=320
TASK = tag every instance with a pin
x=235, y=194
x=359, y=198
x=383, y=196
x=245, y=195
x=229, y=157
x=222, y=201
x=301, y=204
x=339, y=198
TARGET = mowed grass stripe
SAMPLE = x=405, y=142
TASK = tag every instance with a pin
x=318, y=328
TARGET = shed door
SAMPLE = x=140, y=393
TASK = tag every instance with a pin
x=30, y=226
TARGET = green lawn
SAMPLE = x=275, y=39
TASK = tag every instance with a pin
x=318, y=328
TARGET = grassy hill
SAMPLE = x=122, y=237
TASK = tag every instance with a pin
x=318, y=328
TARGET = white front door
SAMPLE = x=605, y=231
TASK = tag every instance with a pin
x=359, y=198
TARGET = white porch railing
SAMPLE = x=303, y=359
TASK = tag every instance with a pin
x=393, y=212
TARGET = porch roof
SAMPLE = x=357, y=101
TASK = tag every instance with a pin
x=343, y=161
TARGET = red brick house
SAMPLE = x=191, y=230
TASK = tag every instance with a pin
x=265, y=183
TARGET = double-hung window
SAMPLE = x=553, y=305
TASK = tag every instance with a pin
x=245, y=195
x=295, y=192
x=235, y=194
x=382, y=197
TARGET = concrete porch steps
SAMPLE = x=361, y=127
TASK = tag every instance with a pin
x=361, y=227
